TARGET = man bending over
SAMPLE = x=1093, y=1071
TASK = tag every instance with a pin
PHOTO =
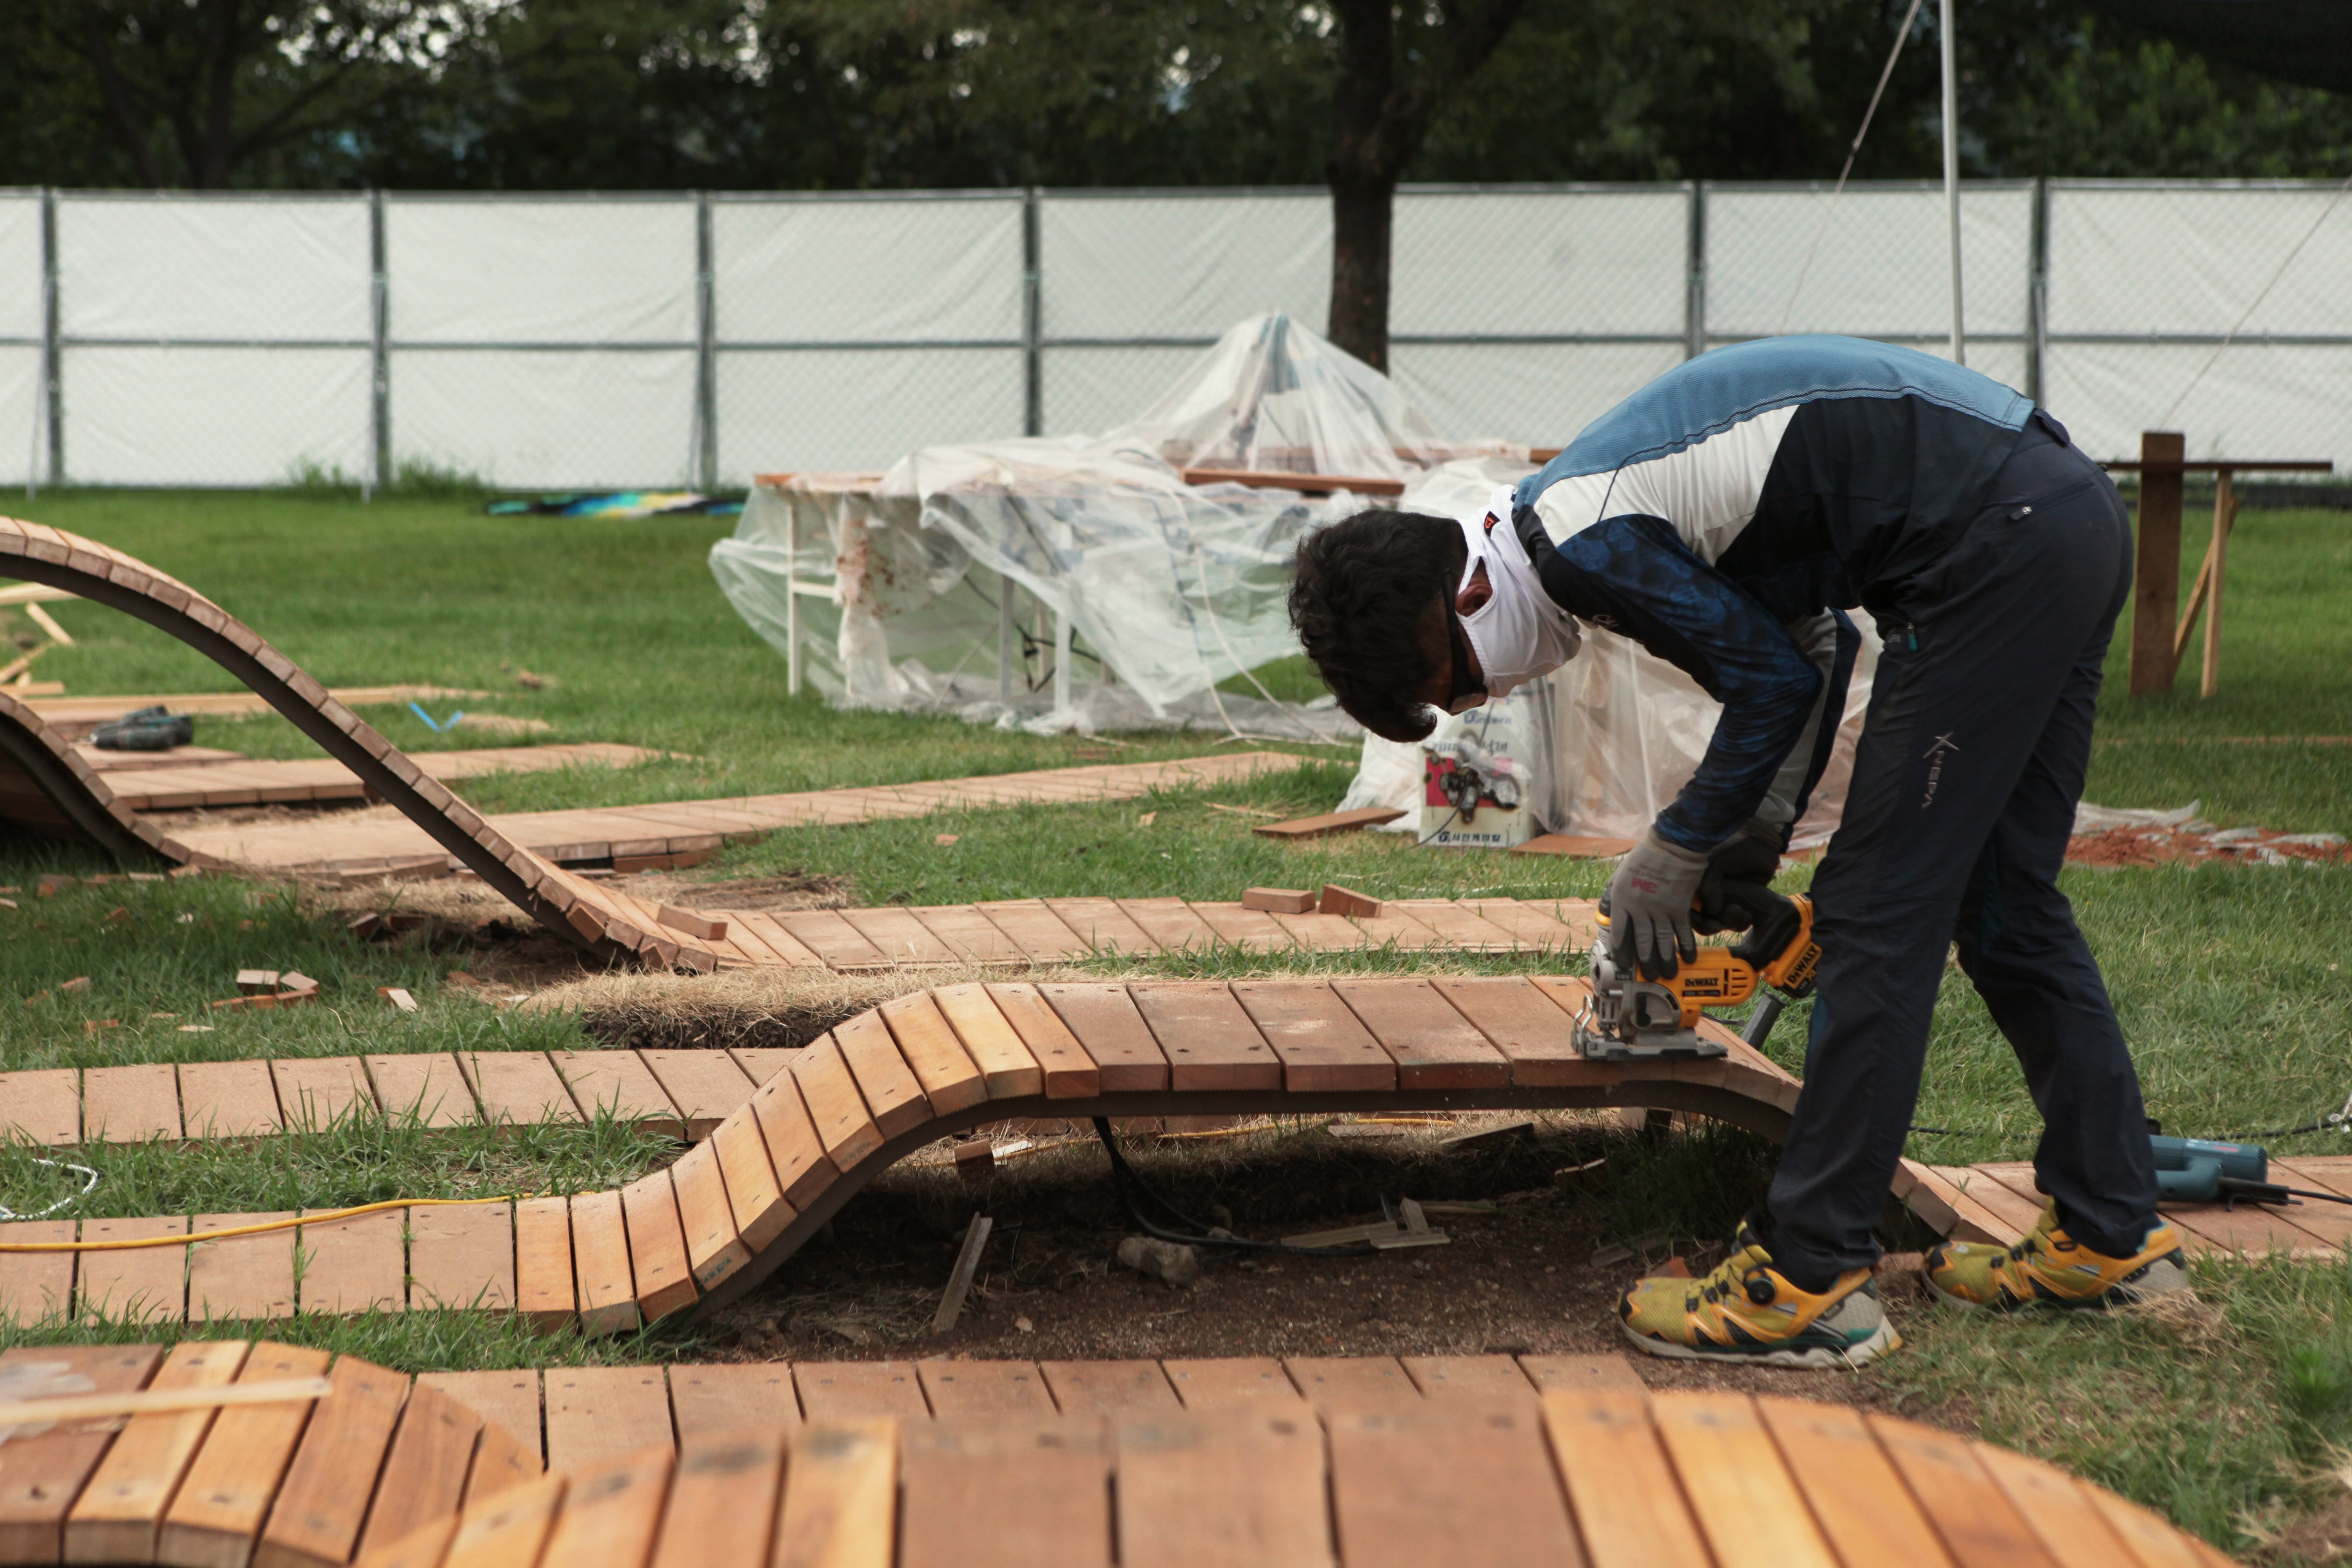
x=1726, y=517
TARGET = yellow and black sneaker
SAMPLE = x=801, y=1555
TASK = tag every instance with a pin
x=1745, y=1310
x=2051, y=1268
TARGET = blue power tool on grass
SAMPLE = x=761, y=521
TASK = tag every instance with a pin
x=2193, y=1169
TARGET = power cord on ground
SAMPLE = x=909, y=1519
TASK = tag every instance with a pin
x=1131, y=1186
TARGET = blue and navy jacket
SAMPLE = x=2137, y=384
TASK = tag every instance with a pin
x=1729, y=514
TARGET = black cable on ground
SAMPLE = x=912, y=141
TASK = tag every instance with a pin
x=1131, y=1185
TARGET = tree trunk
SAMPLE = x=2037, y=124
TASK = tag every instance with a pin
x=1363, y=216
x=1362, y=172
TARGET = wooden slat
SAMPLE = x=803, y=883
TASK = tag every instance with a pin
x=833, y=939
x=518, y=1088
x=833, y=1391
x=1171, y=923
x=36, y=1287
x=354, y=1265
x=146, y=1285
x=243, y=1276
x=706, y=1400
x=42, y=1108
x=428, y=1087
x=600, y=1413
x=228, y=1100
x=1454, y=1482
x=1007, y=1067
x=1629, y=1507
x=1493, y=1379
x=600, y=1263
x=2062, y=1512
x=1434, y=1046
x=1065, y=1071
x=1251, y=930
x=617, y=1084
x=2155, y=1543
x=705, y=1086
x=722, y=1501
x=1563, y=1374
x=1257, y=1467
x=425, y=1474
x=952, y=1081
x=465, y=1257
x=900, y=936
x=1005, y=1492
x=845, y=1125
x=44, y=1472
x=323, y=1502
x=508, y=1400
x=804, y=1167
x=117, y=1514
x=1322, y=1045
x=1743, y=1496
x=318, y=1091
x=958, y=1388
x=1351, y=1383
x=1105, y=1022
x=658, y=1257
x=714, y=1249
x=1103, y=926
x=1530, y=1029
x=789, y=949
x=1219, y=1382
x=129, y=1104
x=1109, y=1387
x=1859, y=1500
x=841, y=1505
x=1978, y=1523
x=889, y=1086
x=2000, y=1189
x=515, y=1528
x=1208, y=1040
x=968, y=935
x=760, y=1063
x=756, y=1203
x=1035, y=929
x=219, y=1509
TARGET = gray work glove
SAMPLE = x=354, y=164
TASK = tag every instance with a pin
x=1649, y=902
x=1749, y=858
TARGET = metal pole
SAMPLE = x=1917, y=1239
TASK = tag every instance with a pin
x=706, y=354
x=1952, y=177
x=792, y=598
x=2037, y=294
x=379, y=359
x=1033, y=377
x=52, y=350
x=1694, y=262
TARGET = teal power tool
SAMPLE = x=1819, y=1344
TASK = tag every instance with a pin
x=2192, y=1170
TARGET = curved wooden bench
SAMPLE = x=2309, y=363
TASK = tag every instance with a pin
x=301, y=1484
x=1609, y=1478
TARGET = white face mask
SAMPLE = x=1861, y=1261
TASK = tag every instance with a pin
x=1520, y=632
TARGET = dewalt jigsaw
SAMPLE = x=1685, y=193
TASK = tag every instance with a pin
x=1628, y=1018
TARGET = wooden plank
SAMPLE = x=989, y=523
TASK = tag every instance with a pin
x=1250, y=930
x=1492, y=1379
x=722, y=1501
x=246, y=1278
x=117, y=1514
x=129, y=1104
x=506, y=1400
x=790, y=951
x=837, y=1390
x=1351, y=1383
x=1453, y=1482
x=465, y=1257
x=709, y=1399
x=1258, y=1467
x=599, y=1413
x=1434, y=1045
x=41, y=1108
x=323, y=1502
x=1171, y=923
x=2061, y=1511
x=600, y=1263
x=2155, y=1543
x=1561, y=1373
x=216, y=1514
x=845, y=1125
x=760, y=1063
x=841, y=1505
x=804, y=1167
x=515, y=1527
x=1978, y=1522
x=518, y=1088
x=1005, y=1492
x=619, y=1085
x=900, y=936
x=44, y=1472
x=1531, y=1030
x=428, y=1089
x=833, y=939
x=610, y=1517
x=424, y=1473
x=657, y=1256
x=1742, y=1495
x=1035, y=929
x=952, y=1081
x=1457, y=926
x=1109, y=1029
x=889, y=1086
x=1530, y=928
x=1629, y=1507
x=968, y=935
x=706, y=1086
x=149, y=1285
x=1208, y=1040
x=1065, y=1071
x=1222, y=1381
x=758, y=1211
x=1103, y=926
x=317, y=1092
x=1328, y=823
x=1007, y=1067
x=36, y=1288
x=713, y=1248
x=1322, y=1045
x=228, y=1100
x=1998, y=1188
x=1109, y=1387
x=1858, y=1498
x=959, y=1388
x=354, y=1266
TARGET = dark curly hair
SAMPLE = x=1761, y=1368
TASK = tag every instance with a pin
x=1365, y=589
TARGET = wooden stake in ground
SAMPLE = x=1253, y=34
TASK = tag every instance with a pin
x=967, y=1264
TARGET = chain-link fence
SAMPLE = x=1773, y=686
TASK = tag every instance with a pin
x=575, y=341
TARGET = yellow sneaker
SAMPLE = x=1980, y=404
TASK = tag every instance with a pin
x=1745, y=1310
x=2050, y=1269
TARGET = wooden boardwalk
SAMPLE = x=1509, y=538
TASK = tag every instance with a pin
x=229, y=781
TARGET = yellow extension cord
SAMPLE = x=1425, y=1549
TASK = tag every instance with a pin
x=324, y=1216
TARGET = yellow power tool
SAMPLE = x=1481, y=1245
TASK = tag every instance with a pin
x=1631, y=1019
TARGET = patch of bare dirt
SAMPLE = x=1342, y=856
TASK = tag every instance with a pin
x=789, y=891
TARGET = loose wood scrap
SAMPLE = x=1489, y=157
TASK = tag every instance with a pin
x=1328, y=824
x=1278, y=900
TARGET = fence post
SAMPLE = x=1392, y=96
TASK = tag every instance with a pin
x=1694, y=294
x=379, y=359
x=706, y=349
x=2155, y=572
x=52, y=351
x=2037, y=291
x=1032, y=379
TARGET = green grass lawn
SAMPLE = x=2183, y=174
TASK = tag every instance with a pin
x=2227, y=979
